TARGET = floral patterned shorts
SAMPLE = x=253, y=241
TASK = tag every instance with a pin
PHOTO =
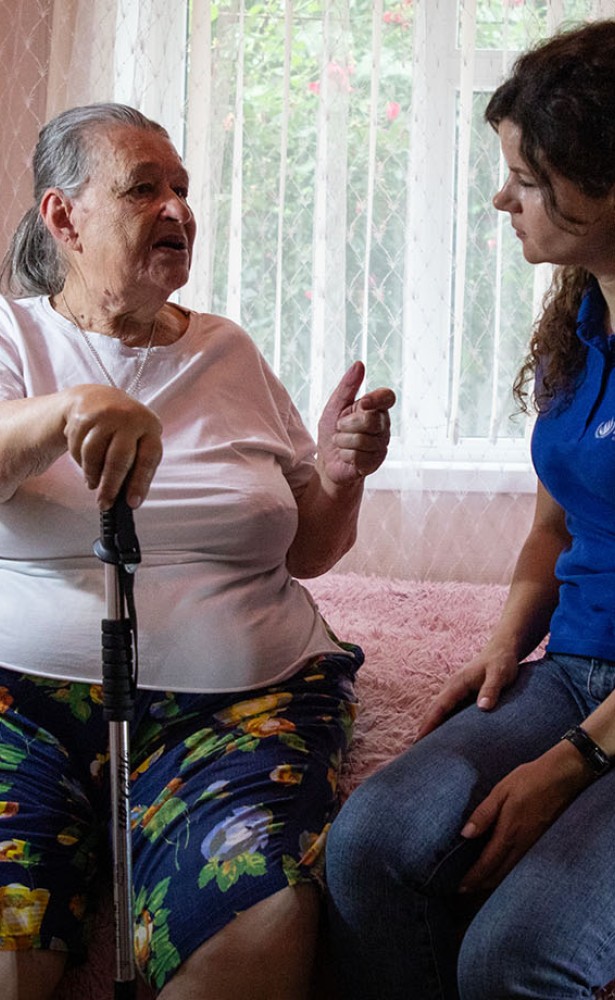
x=231, y=799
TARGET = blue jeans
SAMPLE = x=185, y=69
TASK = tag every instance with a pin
x=395, y=858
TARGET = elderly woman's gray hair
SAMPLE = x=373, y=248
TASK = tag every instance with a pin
x=32, y=264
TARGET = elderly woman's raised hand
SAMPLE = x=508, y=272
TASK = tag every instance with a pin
x=113, y=438
x=353, y=434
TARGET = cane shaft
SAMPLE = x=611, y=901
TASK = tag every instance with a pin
x=122, y=851
x=118, y=549
x=113, y=592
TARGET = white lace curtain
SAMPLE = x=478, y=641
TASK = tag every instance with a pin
x=341, y=176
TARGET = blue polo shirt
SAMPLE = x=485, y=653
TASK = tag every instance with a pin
x=573, y=450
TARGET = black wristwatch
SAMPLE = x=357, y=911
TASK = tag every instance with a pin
x=598, y=760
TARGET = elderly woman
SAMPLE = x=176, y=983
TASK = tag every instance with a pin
x=245, y=697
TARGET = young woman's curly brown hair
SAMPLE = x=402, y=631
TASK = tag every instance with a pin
x=554, y=347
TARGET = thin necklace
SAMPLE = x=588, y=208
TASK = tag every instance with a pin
x=136, y=382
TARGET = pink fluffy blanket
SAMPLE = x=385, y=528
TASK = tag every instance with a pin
x=414, y=635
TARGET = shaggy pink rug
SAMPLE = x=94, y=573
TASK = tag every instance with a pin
x=414, y=635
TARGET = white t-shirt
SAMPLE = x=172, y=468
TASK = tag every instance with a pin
x=217, y=609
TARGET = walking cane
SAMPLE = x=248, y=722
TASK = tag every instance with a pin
x=118, y=548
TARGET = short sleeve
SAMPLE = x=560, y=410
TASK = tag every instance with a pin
x=12, y=383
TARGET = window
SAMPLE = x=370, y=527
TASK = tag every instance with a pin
x=347, y=209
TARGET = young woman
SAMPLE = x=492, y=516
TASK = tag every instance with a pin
x=481, y=863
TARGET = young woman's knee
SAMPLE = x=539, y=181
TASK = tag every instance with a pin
x=400, y=821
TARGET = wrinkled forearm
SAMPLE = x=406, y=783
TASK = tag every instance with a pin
x=31, y=439
x=328, y=517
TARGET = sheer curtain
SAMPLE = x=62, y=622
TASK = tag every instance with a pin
x=341, y=175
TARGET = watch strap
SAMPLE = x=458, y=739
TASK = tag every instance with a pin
x=598, y=760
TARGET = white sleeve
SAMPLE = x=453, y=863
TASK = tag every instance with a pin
x=12, y=383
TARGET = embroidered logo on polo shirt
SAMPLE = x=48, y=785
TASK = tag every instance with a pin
x=606, y=428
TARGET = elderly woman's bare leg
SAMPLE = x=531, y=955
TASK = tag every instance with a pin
x=266, y=953
x=30, y=975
